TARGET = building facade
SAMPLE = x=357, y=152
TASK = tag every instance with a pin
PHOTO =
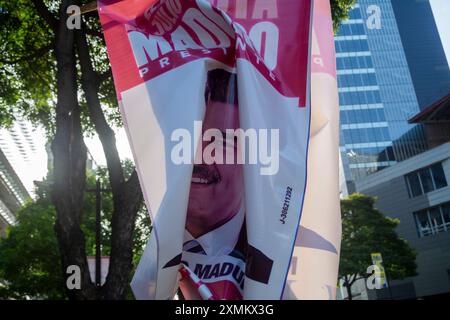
x=417, y=192
x=378, y=91
x=22, y=161
x=391, y=66
x=423, y=48
x=13, y=194
x=436, y=121
x=24, y=147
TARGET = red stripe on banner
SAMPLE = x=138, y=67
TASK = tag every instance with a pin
x=279, y=32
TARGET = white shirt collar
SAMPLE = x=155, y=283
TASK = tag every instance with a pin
x=219, y=241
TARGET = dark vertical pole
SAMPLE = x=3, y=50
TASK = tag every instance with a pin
x=98, y=217
x=388, y=285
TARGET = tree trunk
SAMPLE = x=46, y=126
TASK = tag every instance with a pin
x=70, y=154
x=349, y=291
x=348, y=285
x=127, y=195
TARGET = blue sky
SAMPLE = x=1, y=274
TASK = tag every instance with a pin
x=441, y=10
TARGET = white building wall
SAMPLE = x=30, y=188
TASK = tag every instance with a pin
x=24, y=147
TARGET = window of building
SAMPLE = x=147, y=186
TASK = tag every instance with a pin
x=423, y=223
x=363, y=62
x=357, y=80
x=438, y=175
x=437, y=221
x=362, y=116
x=355, y=14
x=433, y=220
x=415, y=189
x=425, y=180
x=365, y=135
x=357, y=29
x=446, y=213
x=358, y=98
x=390, y=153
x=351, y=46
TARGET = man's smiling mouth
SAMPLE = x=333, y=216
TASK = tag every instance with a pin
x=205, y=175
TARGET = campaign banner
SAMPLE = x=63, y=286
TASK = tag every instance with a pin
x=215, y=100
x=315, y=262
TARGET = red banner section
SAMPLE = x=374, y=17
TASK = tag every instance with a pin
x=162, y=35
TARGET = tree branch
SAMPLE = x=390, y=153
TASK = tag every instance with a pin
x=89, y=80
x=45, y=14
x=353, y=279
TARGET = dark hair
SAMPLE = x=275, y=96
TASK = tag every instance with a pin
x=221, y=86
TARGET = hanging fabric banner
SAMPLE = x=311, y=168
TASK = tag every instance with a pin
x=315, y=263
x=215, y=99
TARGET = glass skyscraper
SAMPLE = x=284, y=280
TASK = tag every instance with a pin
x=424, y=52
x=376, y=92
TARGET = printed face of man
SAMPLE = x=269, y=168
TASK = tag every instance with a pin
x=216, y=193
